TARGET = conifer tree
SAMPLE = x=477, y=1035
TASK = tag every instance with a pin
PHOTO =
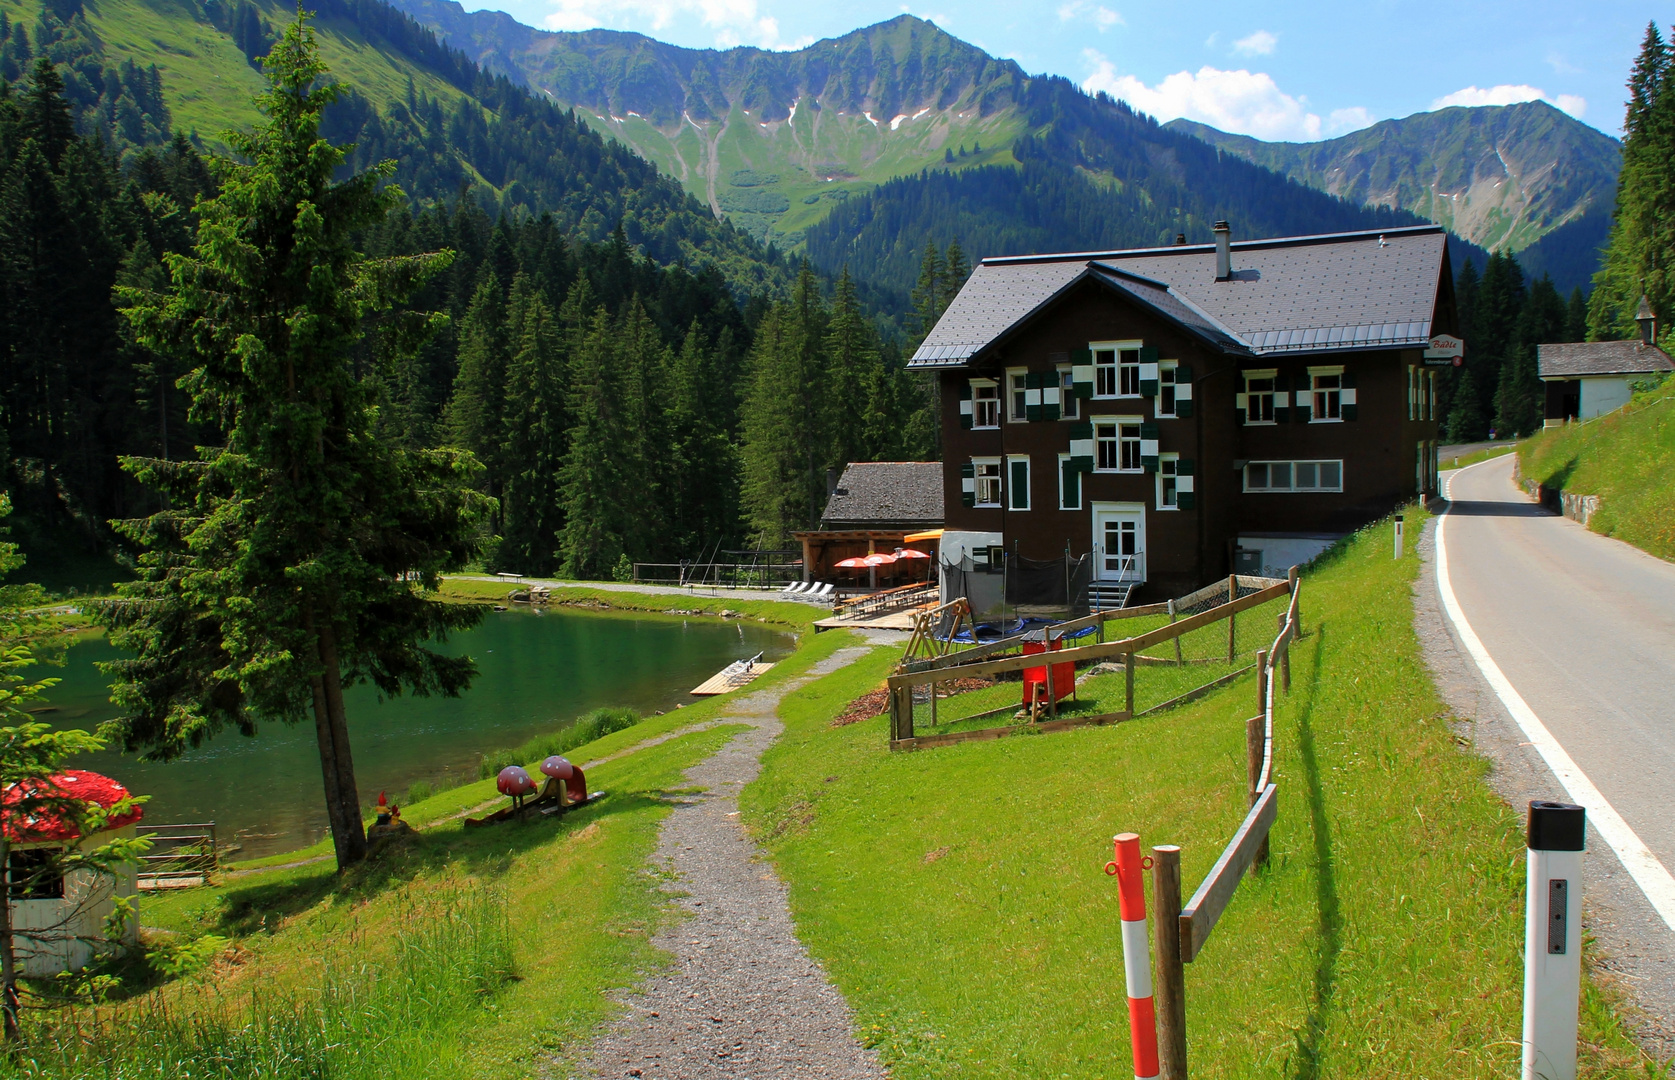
x=700, y=484
x=1641, y=250
x=860, y=417
x=929, y=293
x=784, y=419
x=298, y=562
x=476, y=412
x=592, y=479
x=535, y=434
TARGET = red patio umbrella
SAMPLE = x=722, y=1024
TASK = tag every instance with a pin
x=911, y=553
x=879, y=559
x=857, y=563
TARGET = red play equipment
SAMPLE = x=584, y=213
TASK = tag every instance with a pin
x=1035, y=678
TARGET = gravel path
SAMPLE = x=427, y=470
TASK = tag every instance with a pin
x=743, y=999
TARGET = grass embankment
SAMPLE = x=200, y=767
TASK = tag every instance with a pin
x=1627, y=458
x=957, y=897
x=328, y=976
x=780, y=613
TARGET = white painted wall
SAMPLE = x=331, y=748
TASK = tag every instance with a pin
x=70, y=932
x=1281, y=553
x=1605, y=393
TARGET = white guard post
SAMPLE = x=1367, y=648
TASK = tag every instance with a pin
x=1553, y=940
x=1398, y=553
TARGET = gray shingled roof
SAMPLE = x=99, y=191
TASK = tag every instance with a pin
x=1576, y=359
x=887, y=492
x=1299, y=294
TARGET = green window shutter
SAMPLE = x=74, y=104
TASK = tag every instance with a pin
x=1081, y=431
x=1049, y=412
x=1183, y=374
x=1148, y=371
x=1017, y=495
x=1081, y=356
x=1240, y=408
x=1183, y=408
x=968, y=484
x=1148, y=354
x=1148, y=447
x=965, y=405
x=965, y=391
x=1304, y=407
x=1282, y=400
x=1186, y=467
x=1186, y=500
x=965, y=421
x=1032, y=396
x=1071, y=480
x=1081, y=373
x=1148, y=430
x=1348, y=407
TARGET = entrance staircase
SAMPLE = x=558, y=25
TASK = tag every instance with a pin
x=1105, y=595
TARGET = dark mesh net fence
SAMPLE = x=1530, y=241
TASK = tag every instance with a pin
x=1032, y=586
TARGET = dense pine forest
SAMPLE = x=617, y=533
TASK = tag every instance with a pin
x=622, y=408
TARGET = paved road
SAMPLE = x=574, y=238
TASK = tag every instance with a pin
x=1583, y=629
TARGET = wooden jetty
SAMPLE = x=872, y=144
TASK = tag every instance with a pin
x=738, y=673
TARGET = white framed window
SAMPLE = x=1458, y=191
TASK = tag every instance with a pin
x=1166, y=388
x=1264, y=476
x=1325, y=395
x=985, y=394
x=1017, y=482
x=1070, y=483
x=1168, y=481
x=1116, y=444
x=1017, y=395
x=1257, y=402
x=1070, y=406
x=986, y=471
x=1116, y=369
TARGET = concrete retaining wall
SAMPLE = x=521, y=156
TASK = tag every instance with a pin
x=1580, y=508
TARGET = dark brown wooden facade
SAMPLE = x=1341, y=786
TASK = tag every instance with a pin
x=1385, y=438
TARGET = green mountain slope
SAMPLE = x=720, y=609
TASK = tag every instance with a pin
x=451, y=126
x=773, y=140
x=1499, y=176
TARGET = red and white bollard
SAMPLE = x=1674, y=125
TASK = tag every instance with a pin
x=1129, y=869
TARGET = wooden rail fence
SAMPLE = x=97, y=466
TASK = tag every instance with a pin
x=986, y=660
x=1182, y=931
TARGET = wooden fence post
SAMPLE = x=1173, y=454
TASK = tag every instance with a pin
x=1170, y=990
x=1292, y=576
x=1262, y=680
x=1232, y=595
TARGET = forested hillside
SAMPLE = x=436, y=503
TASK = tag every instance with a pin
x=616, y=394
x=1501, y=176
x=136, y=70
x=1139, y=187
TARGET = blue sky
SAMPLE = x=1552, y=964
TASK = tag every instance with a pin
x=1297, y=71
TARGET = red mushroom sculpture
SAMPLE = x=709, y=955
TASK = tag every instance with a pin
x=560, y=769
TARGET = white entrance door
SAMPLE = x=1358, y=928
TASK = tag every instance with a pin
x=1119, y=541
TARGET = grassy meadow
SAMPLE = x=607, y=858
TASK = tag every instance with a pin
x=1627, y=458
x=956, y=895
x=481, y=953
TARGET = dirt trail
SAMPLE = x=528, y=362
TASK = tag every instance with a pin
x=743, y=998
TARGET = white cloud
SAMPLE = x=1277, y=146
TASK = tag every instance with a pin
x=1260, y=43
x=1556, y=60
x=1249, y=103
x=1507, y=94
x=1101, y=16
x=734, y=22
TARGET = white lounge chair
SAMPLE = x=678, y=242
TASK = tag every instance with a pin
x=794, y=587
x=825, y=590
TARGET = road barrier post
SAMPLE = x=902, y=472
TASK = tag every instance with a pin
x=1553, y=940
x=1398, y=553
x=1129, y=869
x=1171, y=974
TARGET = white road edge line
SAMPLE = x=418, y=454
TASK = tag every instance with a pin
x=1648, y=873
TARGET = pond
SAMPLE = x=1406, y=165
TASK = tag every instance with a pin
x=538, y=670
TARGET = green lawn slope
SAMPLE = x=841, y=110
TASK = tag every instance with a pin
x=1627, y=458
x=957, y=897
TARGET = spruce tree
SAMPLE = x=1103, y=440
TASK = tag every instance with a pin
x=592, y=477
x=929, y=293
x=700, y=475
x=476, y=412
x=859, y=418
x=298, y=560
x=1639, y=254
x=535, y=434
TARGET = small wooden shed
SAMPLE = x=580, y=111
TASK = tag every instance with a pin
x=59, y=921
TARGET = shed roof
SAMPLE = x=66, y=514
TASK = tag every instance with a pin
x=43, y=804
x=1576, y=359
x=896, y=492
x=1335, y=292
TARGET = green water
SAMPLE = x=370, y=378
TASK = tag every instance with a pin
x=538, y=672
